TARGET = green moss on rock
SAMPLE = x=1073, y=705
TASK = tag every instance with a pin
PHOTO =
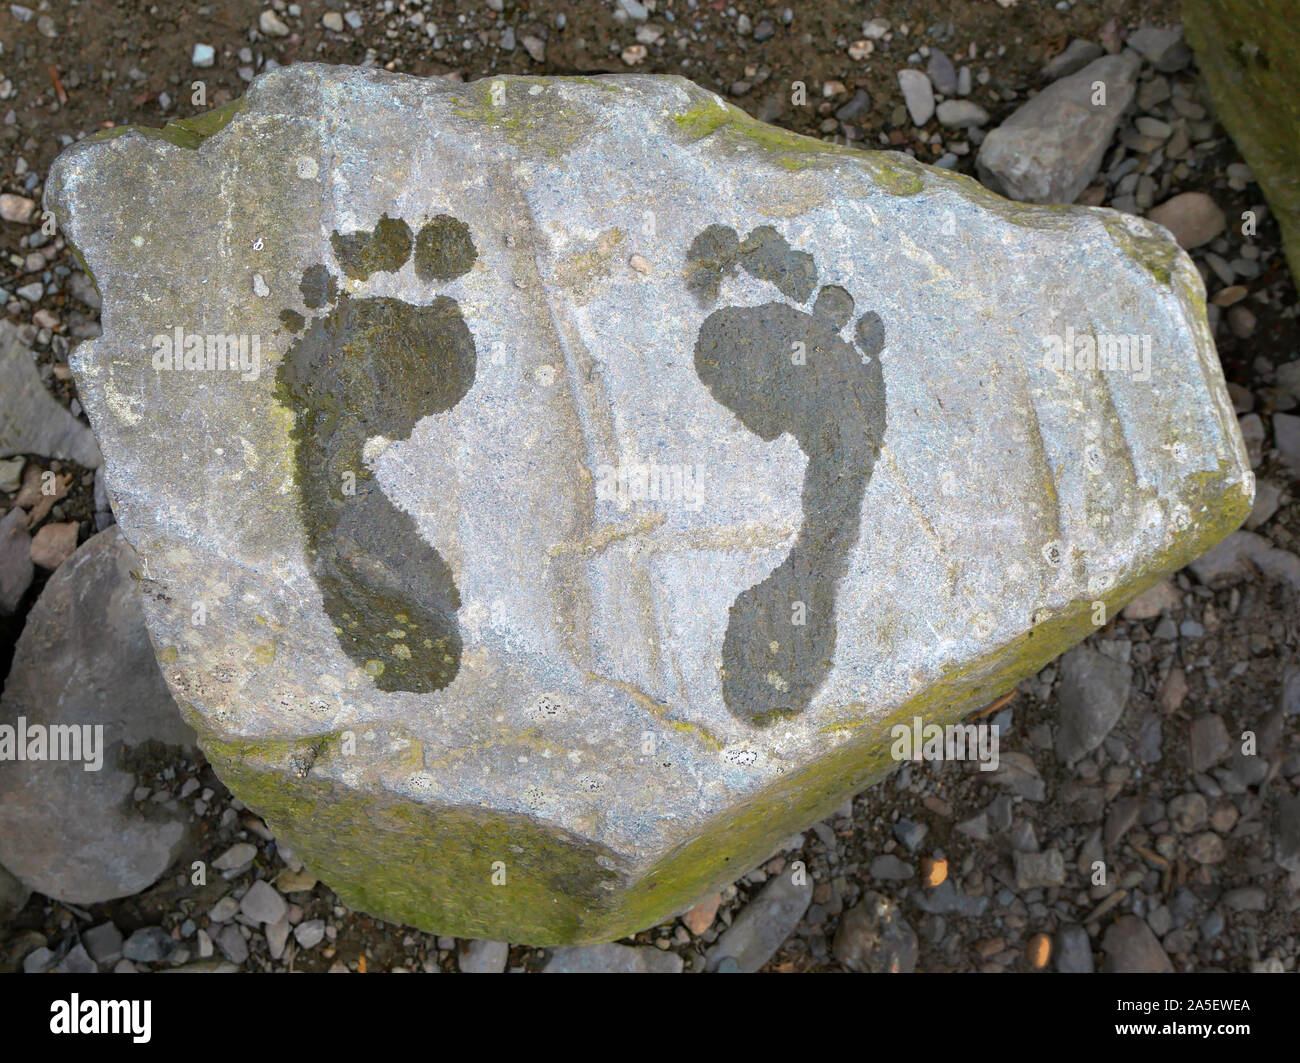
x=1247, y=50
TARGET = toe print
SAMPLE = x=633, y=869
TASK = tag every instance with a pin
x=362, y=373
x=781, y=369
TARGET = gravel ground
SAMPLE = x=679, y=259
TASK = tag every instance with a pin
x=941, y=867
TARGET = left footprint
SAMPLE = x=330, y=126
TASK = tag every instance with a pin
x=361, y=375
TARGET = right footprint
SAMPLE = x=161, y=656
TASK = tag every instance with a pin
x=780, y=369
x=359, y=377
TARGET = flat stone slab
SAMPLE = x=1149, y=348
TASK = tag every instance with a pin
x=612, y=471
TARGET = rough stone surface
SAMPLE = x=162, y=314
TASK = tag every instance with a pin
x=763, y=925
x=263, y=903
x=151, y=944
x=1092, y=694
x=31, y=421
x=482, y=654
x=1131, y=948
x=1052, y=146
x=16, y=569
x=1246, y=50
x=1077, y=55
x=1193, y=218
x=874, y=937
x=484, y=957
x=1073, y=950
x=13, y=895
x=1162, y=47
x=612, y=959
x=918, y=94
x=84, y=659
x=54, y=544
x=103, y=942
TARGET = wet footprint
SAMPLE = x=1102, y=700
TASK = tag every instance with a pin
x=362, y=373
x=781, y=369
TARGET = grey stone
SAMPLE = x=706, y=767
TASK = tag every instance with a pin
x=1192, y=217
x=238, y=856
x=83, y=288
x=1092, y=693
x=483, y=957
x=764, y=924
x=859, y=105
x=874, y=937
x=1051, y=147
x=1268, y=499
x=38, y=961
x=16, y=569
x=1039, y=869
x=1130, y=947
x=612, y=959
x=1286, y=833
x=84, y=660
x=1207, y=741
x=942, y=74
x=232, y=944
x=1188, y=812
x=910, y=833
x=918, y=94
x=77, y=961
x=263, y=903
x=961, y=113
x=1077, y=55
x=103, y=942
x=1289, y=693
x=889, y=868
x=1246, y=899
x=570, y=619
x=13, y=896
x=1073, y=950
x=1164, y=49
x=1240, y=556
x=224, y=910
x=976, y=828
x=946, y=899
x=1019, y=774
x=312, y=933
x=277, y=936
x=1286, y=436
x=31, y=421
x=151, y=944
x=1120, y=819
x=1288, y=378
x=209, y=966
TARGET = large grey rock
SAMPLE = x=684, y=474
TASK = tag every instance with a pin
x=31, y=421
x=68, y=829
x=487, y=692
x=1052, y=146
